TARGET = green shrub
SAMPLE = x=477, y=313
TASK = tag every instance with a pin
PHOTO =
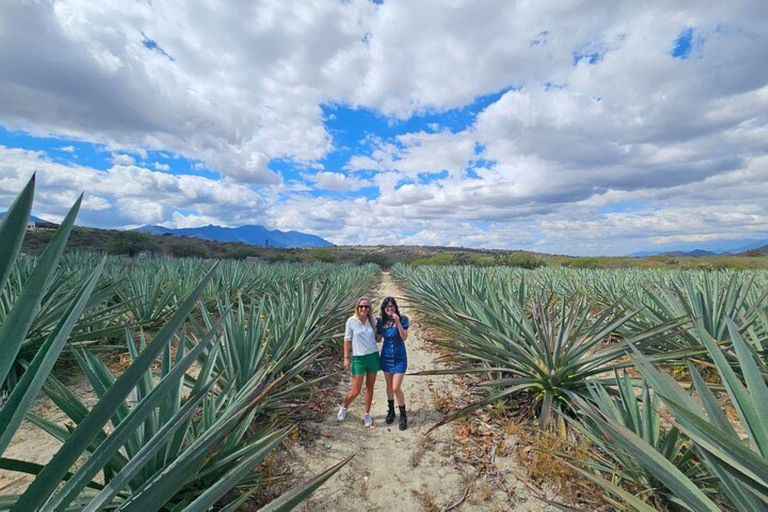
x=522, y=260
x=438, y=259
x=323, y=254
x=584, y=262
x=462, y=258
x=379, y=259
x=187, y=248
x=129, y=243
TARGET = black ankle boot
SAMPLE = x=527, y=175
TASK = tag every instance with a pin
x=403, y=418
x=391, y=412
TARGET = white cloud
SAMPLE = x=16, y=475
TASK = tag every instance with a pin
x=595, y=115
x=162, y=167
x=232, y=93
x=337, y=181
x=67, y=149
x=122, y=159
x=126, y=195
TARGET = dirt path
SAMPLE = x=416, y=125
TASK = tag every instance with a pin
x=393, y=470
x=396, y=470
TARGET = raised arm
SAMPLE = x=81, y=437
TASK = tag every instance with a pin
x=402, y=327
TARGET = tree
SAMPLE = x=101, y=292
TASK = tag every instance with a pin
x=129, y=243
x=187, y=248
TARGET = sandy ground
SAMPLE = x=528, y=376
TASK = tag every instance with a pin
x=402, y=470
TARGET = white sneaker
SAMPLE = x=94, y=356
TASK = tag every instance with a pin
x=342, y=414
x=367, y=420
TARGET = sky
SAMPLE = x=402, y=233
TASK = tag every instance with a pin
x=569, y=127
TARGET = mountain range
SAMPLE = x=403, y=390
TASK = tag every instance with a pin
x=712, y=248
x=254, y=235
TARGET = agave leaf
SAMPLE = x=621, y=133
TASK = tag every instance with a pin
x=235, y=505
x=13, y=226
x=18, y=320
x=44, y=485
x=628, y=498
x=126, y=427
x=295, y=496
x=756, y=386
x=229, y=480
x=30, y=468
x=663, y=469
x=157, y=442
x=746, y=408
x=12, y=414
x=724, y=451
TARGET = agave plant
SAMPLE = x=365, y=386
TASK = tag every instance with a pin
x=151, y=294
x=711, y=300
x=19, y=316
x=550, y=347
x=157, y=444
x=739, y=464
x=98, y=320
x=618, y=470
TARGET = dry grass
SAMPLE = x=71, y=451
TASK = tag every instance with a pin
x=426, y=501
x=425, y=444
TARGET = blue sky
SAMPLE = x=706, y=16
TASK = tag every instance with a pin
x=548, y=127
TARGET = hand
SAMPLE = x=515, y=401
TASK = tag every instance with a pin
x=346, y=363
x=395, y=318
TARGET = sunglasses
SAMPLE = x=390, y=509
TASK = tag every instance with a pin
x=389, y=306
x=363, y=307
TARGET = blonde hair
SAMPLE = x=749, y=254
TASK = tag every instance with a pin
x=370, y=309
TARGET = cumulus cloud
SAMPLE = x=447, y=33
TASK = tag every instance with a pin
x=126, y=195
x=231, y=87
x=591, y=109
x=122, y=159
x=337, y=181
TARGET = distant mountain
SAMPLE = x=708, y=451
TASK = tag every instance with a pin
x=705, y=248
x=694, y=253
x=254, y=235
x=762, y=250
x=760, y=245
x=36, y=220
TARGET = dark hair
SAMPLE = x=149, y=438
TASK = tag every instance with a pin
x=386, y=302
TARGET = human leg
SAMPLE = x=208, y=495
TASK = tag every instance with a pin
x=390, y=392
x=357, y=386
x=397, y=387
x=390, y=399
x=370, y=381
x=397, y=384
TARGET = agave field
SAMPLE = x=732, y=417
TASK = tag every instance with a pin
x=662, y=374
x=221, y=355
